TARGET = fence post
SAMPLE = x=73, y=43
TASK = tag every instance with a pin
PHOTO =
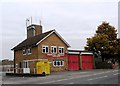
x=16, y=70
x=8, y=70
x=34, y=70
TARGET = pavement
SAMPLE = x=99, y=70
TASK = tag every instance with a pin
x=96, y=76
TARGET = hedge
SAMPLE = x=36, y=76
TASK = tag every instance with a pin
x=103, y=65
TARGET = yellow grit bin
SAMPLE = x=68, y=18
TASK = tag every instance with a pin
x=43, y=67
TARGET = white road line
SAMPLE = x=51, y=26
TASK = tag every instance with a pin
x=116, y=74
x=71, y=83
x=94, y=74
x=78, y=77
x=97, y=78
x=61, y=80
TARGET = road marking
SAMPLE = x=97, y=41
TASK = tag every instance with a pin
x=77, y=77
x=63, y=79
x=71, y=83
x=116, y=74
x=97, y=78
x=94, y=74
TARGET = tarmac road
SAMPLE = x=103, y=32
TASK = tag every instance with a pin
x=97, y=76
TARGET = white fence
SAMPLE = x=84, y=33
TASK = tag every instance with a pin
x=21, y=70
x=7, y=68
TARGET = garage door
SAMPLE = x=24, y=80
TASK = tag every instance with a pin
x=73, y=62
x=87, y=62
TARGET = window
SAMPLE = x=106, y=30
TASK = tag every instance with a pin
x=25, y=64
x=58, y=63
x=61, y=50
x=45, y=49
x=24, y=52
x=53, y=49
x=55, y=63
x=29, y=50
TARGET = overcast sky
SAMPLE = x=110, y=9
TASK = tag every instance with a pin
x=74, y=20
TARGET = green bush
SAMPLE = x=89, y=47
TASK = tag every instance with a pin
x=103, y=65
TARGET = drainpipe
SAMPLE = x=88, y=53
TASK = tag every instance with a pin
x=79, y=61
x=14, y=61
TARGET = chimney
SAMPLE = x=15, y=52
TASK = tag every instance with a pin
x=33, y=30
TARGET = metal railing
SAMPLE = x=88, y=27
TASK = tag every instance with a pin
x=20, y=70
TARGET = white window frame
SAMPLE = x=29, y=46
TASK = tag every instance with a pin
x=44, y=46
x=59, y=63
x=29, y=49
x=60, y=48
x=53, y=47
x=25, y=64
x=24, y=50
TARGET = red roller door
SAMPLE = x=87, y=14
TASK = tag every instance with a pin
x=73, y=62
x=87, y=62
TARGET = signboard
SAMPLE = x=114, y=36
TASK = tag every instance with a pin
x=55, y=55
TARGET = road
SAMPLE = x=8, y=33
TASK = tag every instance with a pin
x=99, y=76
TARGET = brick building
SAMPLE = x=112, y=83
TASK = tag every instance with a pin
x=49, y=45
x=7, y=65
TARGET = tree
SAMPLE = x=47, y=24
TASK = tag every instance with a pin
x=104, y=42
x=117, y=48
x=107, y=29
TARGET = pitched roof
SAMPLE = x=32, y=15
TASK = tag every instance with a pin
x=31, y=41
x=35, y=40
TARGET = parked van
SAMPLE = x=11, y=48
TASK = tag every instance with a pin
x=43, y=67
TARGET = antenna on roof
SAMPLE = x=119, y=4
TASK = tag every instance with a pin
x=27, y=22
x=40, y=22
x=31, y=20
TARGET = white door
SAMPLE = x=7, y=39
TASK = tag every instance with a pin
x=16, y=68
x=26, y=68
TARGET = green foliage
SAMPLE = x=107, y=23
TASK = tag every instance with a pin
x=107, y=29
x=104, y=43
x=103, y=65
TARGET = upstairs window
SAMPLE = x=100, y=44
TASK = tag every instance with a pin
x=29, y=50
x=61, y=50
x=53, y=49
x=24, y=52
x=45, y=49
